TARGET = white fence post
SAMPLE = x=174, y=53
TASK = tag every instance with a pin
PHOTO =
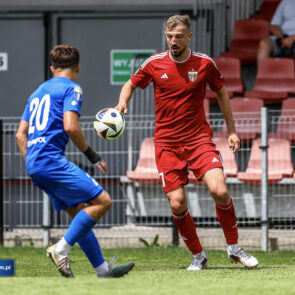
x=264, y=180
x=46, y=220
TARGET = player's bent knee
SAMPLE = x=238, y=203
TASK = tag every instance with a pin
x=107, y=201
x=177, y=206
x=221, y=198
x=220, y=193
x=103, y=199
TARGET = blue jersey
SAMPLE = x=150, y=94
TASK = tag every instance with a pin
x=44, y=112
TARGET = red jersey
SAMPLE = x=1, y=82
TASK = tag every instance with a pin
x=179, y=90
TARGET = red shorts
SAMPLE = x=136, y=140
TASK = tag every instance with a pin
x=173, y=163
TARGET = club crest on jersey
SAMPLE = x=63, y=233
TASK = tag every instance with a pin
x=193, y=75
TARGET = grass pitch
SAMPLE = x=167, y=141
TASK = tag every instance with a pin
x=157, y=271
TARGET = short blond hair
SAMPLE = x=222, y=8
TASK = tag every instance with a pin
x=175, y=20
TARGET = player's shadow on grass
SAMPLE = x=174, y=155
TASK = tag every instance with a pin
x=235, y=268
x=239, y=268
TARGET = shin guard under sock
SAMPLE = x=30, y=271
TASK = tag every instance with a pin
x=227, y=219
x=187, y=230
x=90, y=246
x=81, y=224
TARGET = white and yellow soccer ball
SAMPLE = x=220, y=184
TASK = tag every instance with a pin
x=109, y=123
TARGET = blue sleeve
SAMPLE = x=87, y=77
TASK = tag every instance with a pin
x=26, y=113
x=73, y=99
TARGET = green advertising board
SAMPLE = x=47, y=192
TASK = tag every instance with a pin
x=121, y=63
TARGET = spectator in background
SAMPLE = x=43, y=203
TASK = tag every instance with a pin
x=282, y=41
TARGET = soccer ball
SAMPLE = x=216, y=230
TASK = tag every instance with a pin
x=109, y=123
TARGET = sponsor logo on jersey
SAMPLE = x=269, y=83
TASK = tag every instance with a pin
x=36, y=140
x=78, y=92
x=164, y=76
x=193, y=75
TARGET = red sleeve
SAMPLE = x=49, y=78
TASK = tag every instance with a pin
x=215, y=79
x=141, y=78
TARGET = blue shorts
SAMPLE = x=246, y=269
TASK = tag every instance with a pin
x=67, y=187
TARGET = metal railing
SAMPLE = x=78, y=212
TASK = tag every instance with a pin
x=23, y=203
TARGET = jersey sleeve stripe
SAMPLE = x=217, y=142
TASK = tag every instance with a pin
x=205, y=56
x=153, y=57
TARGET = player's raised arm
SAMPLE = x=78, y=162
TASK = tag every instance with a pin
x=224, y=103
x=73, y=129
x=125, y=96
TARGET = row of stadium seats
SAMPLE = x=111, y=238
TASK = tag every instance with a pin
x=248, y=33
x=279, y=162
x=246, y=113
x=246, y=37
x=275, y=83
x=267, y=10
x=275, y=79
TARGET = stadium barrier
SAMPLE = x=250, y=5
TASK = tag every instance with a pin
x=1, y=186
x=141, y=209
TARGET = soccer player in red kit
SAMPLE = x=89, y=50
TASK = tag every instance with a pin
x=183, y=136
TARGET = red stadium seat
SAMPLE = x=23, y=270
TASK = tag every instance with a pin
x=279, y=162
x=146, y=169
x=286, y=123
x=268, y=97
x=246, y=113
x=245, y=40
x=230, y=68
x=275, y=80
x=229, y=161
x=267, y=10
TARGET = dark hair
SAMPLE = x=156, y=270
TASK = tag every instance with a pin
x=64, y=56
x=175, y=20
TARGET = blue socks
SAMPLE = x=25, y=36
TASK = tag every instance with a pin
x=79, y=227
x=80, y=230
x=91, y=248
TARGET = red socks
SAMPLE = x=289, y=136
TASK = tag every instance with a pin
x=227, y=219
x=187, y=230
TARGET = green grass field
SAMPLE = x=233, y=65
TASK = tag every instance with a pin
x=158, y=271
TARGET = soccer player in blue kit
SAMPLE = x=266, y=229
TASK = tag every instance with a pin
x=49, y=120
